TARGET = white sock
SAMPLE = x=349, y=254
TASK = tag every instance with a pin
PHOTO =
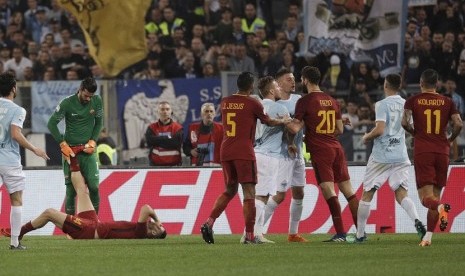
x=428, y=236
x=269, y=210
x=15, y=222
x=409, y=207
x=295, y=212
x=259, y=207
x=362, y=216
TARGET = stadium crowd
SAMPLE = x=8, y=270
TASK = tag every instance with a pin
x=201, y=38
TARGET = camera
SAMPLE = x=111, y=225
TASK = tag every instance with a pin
x=201, y=153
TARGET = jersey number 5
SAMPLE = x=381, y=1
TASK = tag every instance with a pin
x=437, y=125
x=327, y=124
x=231, y=123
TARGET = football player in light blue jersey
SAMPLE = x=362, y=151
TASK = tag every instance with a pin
x=12, y=118
x=291, y=173
x=267, y=151
x=389, y=159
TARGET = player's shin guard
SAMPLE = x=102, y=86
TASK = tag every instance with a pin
x=220, y=204
x=353, y=205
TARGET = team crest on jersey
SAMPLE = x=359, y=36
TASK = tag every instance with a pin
x=92, y=111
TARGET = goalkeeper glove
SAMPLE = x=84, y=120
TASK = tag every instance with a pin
x=66, y=151
x=89, y=147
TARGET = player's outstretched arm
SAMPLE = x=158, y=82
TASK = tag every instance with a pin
x=18, y=136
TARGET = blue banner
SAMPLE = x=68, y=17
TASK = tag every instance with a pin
x=45, y=97
x=138, y=103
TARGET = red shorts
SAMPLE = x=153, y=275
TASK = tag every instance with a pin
x=431, y=169
x=74, y=166
x=239, y=171
x=81, y=226
x=330, y=165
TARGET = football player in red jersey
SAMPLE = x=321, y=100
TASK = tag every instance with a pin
x=430, y=113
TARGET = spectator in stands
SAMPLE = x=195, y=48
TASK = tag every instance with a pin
x=445, y=61
x=37, y=25
x=40, y=65
x=251, y=22
x=18, y=40
x=5, y=53
x=153, y=24
x=72, y=75
x=49, y=74
x=240, y=61
x=33, y=9
x=106, y=149
x=224, y=29
x=415, y=62
x=203, y=141
x=337, y=76
x=68, y=61
x=55, y=29
x=451, y=92
x=460, y=77
x=238, y=34
x=170, y=22
x=18, y=63
x=222, y=64
x=164, y=138
x=5, y=13
x=97, y=72
x=291, y=29
x=208, y=70
x=265, y=65
x=359, y=93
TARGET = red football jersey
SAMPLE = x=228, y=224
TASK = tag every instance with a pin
x=319, y=111
x=431, y=113
x=122, y=230
x=239, y=115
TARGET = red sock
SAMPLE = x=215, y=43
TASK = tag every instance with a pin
x=431, y=203
x=221, y=203
x=25, y=229
x=353, y=206
x=335, y=210
x=431, y=220
x=249, y=216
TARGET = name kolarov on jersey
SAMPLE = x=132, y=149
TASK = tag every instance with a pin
x=436, y=102
x=233, y=106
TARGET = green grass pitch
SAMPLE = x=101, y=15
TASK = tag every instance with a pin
x=382, y=254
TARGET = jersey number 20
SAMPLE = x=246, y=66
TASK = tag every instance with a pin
x=327, y=124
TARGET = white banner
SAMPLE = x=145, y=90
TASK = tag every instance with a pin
x=45, y=97
x=359, y=31
x=184, y=198
x=413, y=3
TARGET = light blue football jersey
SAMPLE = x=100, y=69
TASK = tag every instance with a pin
x=390, y=146
x=268, y=139
x=10, y=114
x=298, y=140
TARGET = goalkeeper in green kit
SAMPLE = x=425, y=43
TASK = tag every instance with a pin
x=83, y=115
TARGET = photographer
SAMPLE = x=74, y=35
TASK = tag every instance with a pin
x=204, y=139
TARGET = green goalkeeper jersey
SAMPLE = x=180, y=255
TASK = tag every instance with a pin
x=83, y=122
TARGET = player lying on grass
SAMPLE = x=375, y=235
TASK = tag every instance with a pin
x=86, y=225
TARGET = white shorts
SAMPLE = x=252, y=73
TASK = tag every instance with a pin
x=13, y=177
x=291, y=174
x=267, y=171
x=376, y=175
